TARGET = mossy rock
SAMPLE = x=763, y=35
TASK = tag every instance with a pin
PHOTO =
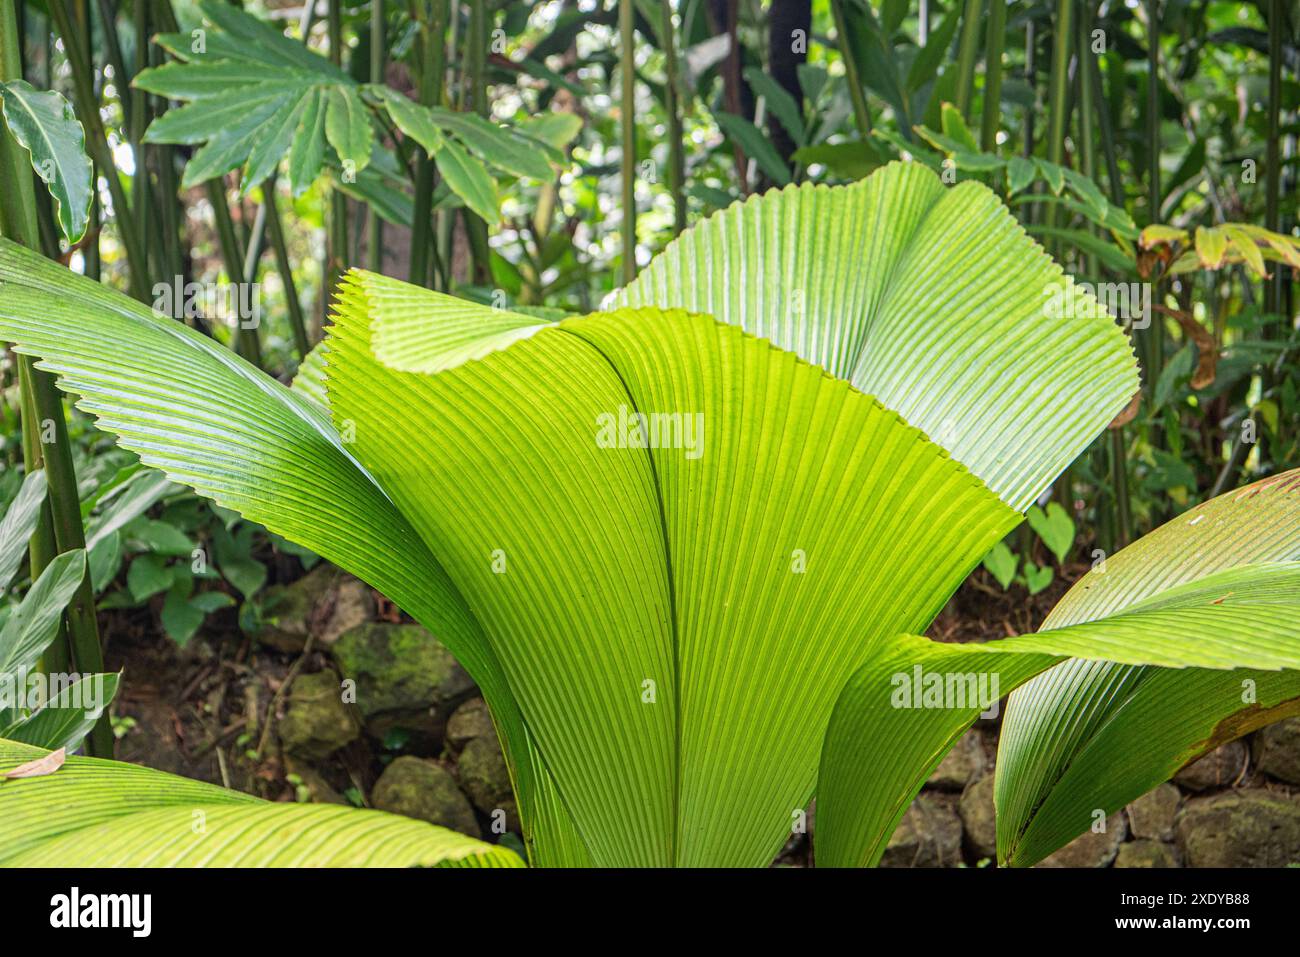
x=325, y=602
x=405, y=680
x=471, y=720
x=425, y=790
x=486, y=779
x=316, y=722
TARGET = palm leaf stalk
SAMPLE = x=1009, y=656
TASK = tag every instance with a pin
x=1151, y=341
x=338, y=204
x=476, y=42
x=627, y=109
x=1117, y=454
x=967, y=53
x=993, y=41
x=45, y=434
x=374, y=226
x=672, y=106
x=1058, y=89
x=432, y=40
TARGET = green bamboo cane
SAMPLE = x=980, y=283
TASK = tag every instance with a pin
x=627, y=61
x=275, y=230
x=1058, y=92
x=87, y=107
x=45, y=431
x=375, y=225
x=1273, y=150
x=967, y=51
x=1117, y=458
x=993, y=42
x=338, y=209
x=433, y=46
x=672, y=106
x=476, y=92
x=1152, y=337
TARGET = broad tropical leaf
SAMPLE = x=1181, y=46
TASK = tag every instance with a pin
x=212, y=422
x=905, y=288
x=1090, y=736
x=701, y=601
x=45, y=125
x=96, y=813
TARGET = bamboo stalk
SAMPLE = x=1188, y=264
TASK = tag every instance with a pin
x=1091, y=95
x=672, y=106
x=337, y=235
x=275, y=230
x=1062, y=50
x=476, y=93
x=627, y=62
x=433, y=40
x=967, y=51
x=1273, y=151
x=1152, y=344
x=87, y=107
x=993, y=42
x=374, y=225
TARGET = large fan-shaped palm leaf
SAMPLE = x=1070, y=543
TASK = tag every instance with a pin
x=661, y=633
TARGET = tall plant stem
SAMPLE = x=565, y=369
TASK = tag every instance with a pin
x=857, y=93
x=275, y=230
x=993, y=41
x=245, y=341
x=45, y=431
x=433, y=45
x=338, y=204
x=375, y=225
x=1058, y=91
x=87, y=103
x=627, y=62
x=967, y=51
x=1091, y=96
x=672, y=106
x=476, y=42
x=1273, y=151
x=1152, y=345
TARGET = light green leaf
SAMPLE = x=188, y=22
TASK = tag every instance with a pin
x=1001, y=563
x=1055, y=527
x=274, y=139
x=1020, y=173
x=19, y=523
x=413, y=119
x=347, y=126
x=308, y=151
x=710, y=770
x=495, y=145
x=96, y=813
x=68, y=717
x=469, y=180
x=44, y=124
x=30, y=627
x=955, y=128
